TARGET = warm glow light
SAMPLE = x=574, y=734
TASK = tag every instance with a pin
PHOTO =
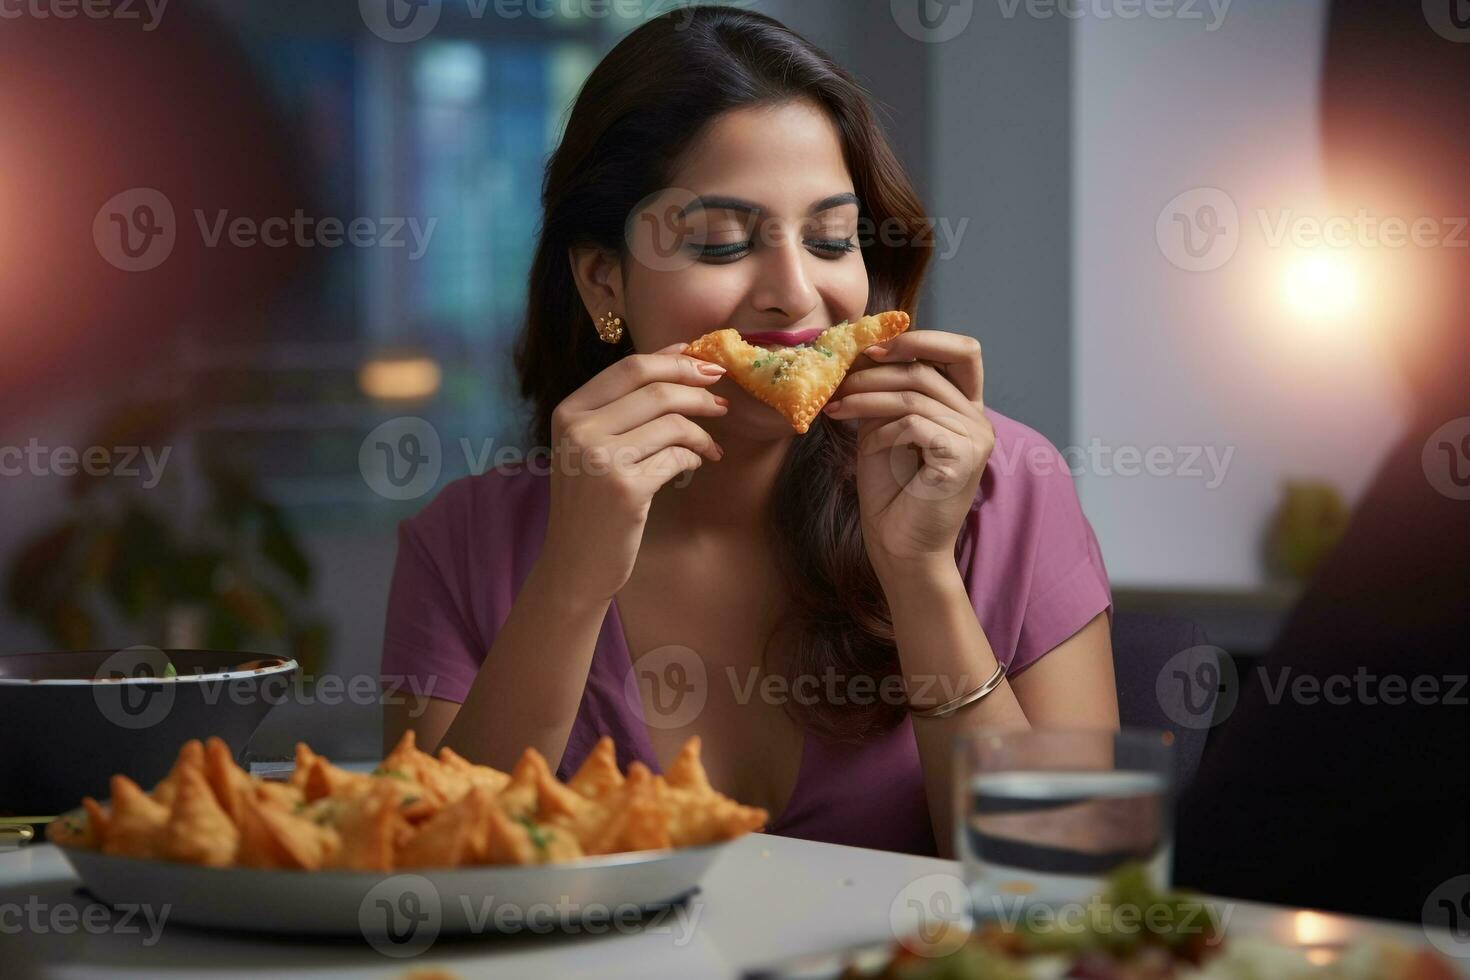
x=1316, y=929
x=1323, y=286
x=399, y=378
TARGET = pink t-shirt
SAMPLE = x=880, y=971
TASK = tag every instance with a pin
x=1029, y=559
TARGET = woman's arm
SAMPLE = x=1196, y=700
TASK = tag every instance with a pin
x=943, y=652
x=529, y=687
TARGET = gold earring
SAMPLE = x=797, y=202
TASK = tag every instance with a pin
x=610, y=327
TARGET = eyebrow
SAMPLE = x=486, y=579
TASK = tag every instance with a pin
x=717, y=203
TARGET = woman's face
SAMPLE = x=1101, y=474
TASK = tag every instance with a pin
x=759, y=231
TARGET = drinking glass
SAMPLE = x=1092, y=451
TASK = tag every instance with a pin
x=1046, y=815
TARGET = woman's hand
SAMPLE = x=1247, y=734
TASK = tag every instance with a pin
x=923, y=442
x=615, y=441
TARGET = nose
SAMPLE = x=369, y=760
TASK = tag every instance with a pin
x=784, y=289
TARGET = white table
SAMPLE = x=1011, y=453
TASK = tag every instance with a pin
x=767, y=898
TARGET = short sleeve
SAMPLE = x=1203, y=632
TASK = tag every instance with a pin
x=428, y=646
x=1030, y=559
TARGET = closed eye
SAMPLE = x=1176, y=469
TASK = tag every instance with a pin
x=827, y=248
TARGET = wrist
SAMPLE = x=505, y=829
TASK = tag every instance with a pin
x=557, y=586
x=921, y=575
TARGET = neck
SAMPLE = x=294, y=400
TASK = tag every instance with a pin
x=730, y=495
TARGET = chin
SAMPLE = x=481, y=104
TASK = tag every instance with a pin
x=751, y=418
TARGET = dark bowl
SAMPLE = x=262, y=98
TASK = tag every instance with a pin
x=71, y=720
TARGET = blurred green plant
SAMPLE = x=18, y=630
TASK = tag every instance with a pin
x=1307, y=524
x=204, y=547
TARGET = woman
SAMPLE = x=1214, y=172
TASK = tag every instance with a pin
x=788, y=598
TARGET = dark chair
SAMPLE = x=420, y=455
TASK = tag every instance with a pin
x=1168, y=679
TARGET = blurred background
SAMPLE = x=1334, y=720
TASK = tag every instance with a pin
x=245, y=243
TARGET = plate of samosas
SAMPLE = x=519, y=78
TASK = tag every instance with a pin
x=226, y=849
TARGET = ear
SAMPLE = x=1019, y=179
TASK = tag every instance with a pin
x=599, y=277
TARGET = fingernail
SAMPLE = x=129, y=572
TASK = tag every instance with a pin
x=833, y=406
x=876, y=351
x=722, y=401
x=719, y=451
x=713, y=370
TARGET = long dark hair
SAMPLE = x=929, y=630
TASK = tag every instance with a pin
x=639, y=110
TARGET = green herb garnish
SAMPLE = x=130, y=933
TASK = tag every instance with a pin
x=394, y=773
x=538, y=836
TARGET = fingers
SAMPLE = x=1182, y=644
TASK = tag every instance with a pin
x=958, y=354
x=916, y=430
x=914, y=376
x=637, y=370
x=894, y=404
x=668, y=463
x=669, y=430
x=656, y=400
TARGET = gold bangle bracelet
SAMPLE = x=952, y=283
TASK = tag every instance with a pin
x=950, y=707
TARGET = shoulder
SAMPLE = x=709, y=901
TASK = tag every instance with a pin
x=503, y=498
x=1025, y=468
x=1027, y=515
x=1030, y=557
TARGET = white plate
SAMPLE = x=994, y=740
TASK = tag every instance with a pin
x=609, y=890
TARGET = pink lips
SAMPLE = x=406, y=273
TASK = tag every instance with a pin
x=784, y=338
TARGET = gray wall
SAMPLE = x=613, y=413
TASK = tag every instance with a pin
x=983, y=122
x=1001, y=98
